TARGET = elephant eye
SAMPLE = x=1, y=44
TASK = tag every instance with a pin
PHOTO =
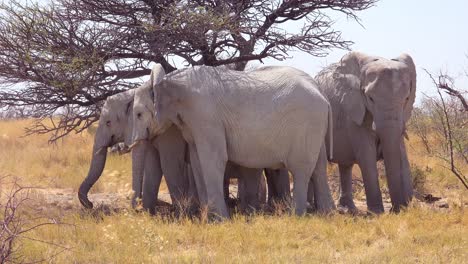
x=371, y=99
x=139, y=115
x=108, y=123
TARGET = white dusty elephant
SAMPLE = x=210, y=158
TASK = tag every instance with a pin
x=372, y=99
x=165, y=154
x=115, y=125
x=252, y=189
x=273, y=117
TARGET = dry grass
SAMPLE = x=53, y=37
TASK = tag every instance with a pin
x=60, y=165
x=420, y=234
x=417, y=235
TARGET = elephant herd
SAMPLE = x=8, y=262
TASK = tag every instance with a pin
x=200, y=126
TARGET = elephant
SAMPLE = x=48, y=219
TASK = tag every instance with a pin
x=166, y=154
x=272, y=117
x=251, y=191
x=116, y=125
x=371, y=99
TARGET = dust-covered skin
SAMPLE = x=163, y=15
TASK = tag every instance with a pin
x=116, y=125
x=372, y=99
x=273, y=117
x=251, y=192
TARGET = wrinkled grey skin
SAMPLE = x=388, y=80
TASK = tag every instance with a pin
x=319, y=194
x=116, y=125
x=273, y=117
x=251, y=192
x=171, y=148
x=372, y=99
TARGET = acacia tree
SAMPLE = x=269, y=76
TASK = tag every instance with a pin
x=70, y=55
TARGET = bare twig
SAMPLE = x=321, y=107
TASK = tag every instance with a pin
x=445, y=111
x=67, y=56
x=15, y=224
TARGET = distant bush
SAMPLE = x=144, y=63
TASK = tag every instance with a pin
x=419, y=177
x=441, y=122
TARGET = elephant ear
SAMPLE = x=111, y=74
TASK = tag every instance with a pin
x=406, y=59
x=129, y=115
x=348, y=78
x=157, y=75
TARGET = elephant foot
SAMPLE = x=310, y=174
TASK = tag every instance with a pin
x=376, y=209
x=398, y=208
x=279, y=206
x=326, y=209
x=324, y=204
x=137, y=203
x=347, y=206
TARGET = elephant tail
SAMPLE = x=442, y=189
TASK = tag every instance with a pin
x=330, y=132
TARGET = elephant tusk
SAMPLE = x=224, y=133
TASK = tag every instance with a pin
x=100, y=150
x=124, y=150
x=134, y=144
x=405, y=135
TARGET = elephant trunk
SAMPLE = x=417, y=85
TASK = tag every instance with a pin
x=138, y=165
x=95, y=170
x=391, y=139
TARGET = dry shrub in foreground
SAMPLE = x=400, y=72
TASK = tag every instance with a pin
x=18, y=219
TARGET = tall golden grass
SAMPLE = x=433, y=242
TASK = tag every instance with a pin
x=63, y=164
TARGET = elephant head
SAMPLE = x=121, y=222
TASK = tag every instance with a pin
x=145, y=126
x=380, y=96
x=146, y=109
x=114, y=126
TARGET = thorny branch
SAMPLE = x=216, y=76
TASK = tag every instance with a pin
x=445, y=113
x=16, y=224
x=61, y=59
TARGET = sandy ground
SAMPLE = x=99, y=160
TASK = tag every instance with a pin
x=67, y=200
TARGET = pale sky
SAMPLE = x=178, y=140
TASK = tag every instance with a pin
x=434, y=33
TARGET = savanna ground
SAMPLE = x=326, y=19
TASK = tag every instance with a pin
x=425, y=232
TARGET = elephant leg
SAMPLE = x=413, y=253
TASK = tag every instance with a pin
x=323, y=200
x=406, y=175
x=212, y=157
x=371, y=184
x=228, y=173
x=197, y=175
x=301, y=177
x=302, y=174
x=346, y=187
x=250, y=186
x=310, y=194
x=278, y=185
x=172, y=148
x=262, y=189
x=152, y=179
x=192, y=189
x=226, y=187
